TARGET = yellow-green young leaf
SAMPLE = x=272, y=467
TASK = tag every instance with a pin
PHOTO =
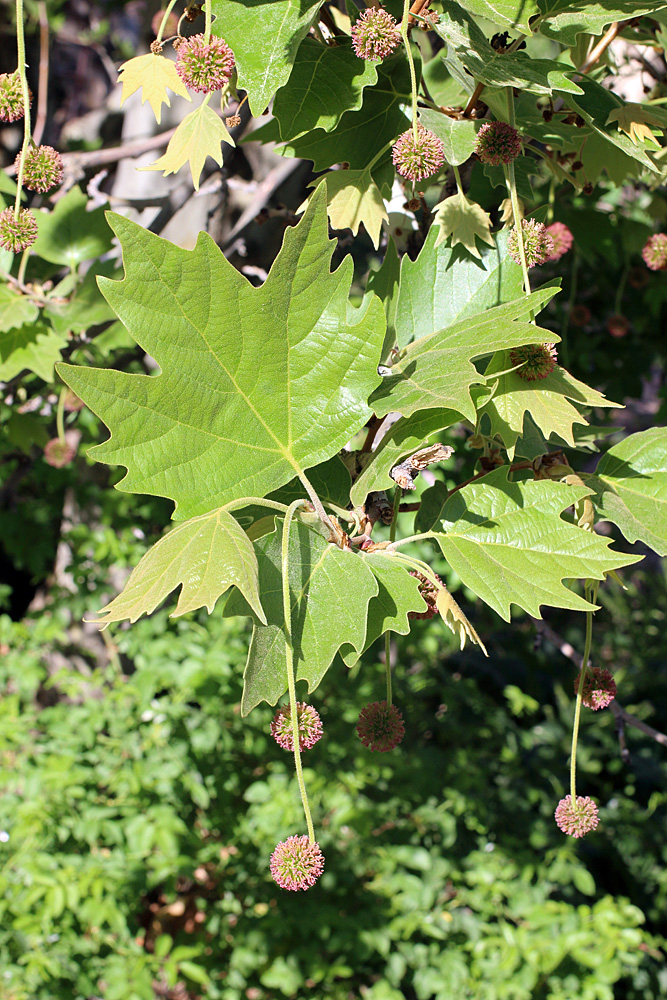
x=353, y=198
x=199, y=135
x=634, y=120
x=152, y=74
x=463, y=220
x=206, y=555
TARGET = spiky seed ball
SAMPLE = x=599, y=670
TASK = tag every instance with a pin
x=233, y=121
x=58, y=453
x=655, y=252
x=202, y=67
x=11, y=97
x=428, y=592
x=375, y=34
x=309, y=722
x=170, y=28
x=72, y=403
x=498, y=142
x=576, y=819
x=580, y=315
x=537, y=244
x=418, y=159
x=536, y=360
x=43, y=168
x=296, y=863
x=17, y=234
x=599, y=688
x=380, y=726
x=562, y=239
x=618, y=325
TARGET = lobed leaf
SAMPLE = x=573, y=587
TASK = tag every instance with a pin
x=265, y=38
x=205, y=556
x=437, y=371
x=509, y=544
x=630, y=485
x=552, y=402
x=200, y=134
x=153, y=75
x=256, y=384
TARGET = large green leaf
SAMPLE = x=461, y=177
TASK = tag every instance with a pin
x=35, y=347
x=69, y=234
x=565, y=19
x=553, y=402
x=326, y=82
x=329, y=588
x=458, y=137
x=630, y=486
x=437, y=371
x=405, y=436
x=265, y=37
x=506, y=13
x=509, y=544
x=443, y=286
x=359, y=135
x=256, y=384
x=16, y=309
x=398, y=595
x=206, y=555
x=468, y=48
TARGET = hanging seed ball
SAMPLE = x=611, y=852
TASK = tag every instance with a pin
x=204, y=68
x=618, y=325
x=498, y=142
x=11, y=97
x=375, y=35
x=655, y=252
x=599, y=688
x=580, y=315
x=58, y=453
x=576, y=819
x=72, y=403
x=43, y=168
x=170, y=28
x=417, y=159
x=537, y=360
x=309, y=722
x=17, y=234
x=537, y=243
x=562, y=239
x=296, y=863
x=380, y=726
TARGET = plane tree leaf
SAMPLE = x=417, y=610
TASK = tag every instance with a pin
x=200, y=134
x=153, y=75
x=509, y=544
x=326, y=81
x=256, y=384
x=458, y=137
x=265, y=38
x=353, y=199
x=359, y=135
x=16, y=309
x=507, y=13
x=554, y=402
x=33, y=347
x=330, y=589
x=204, y=556
x=469, y=49
x=563, y=20
x=69, y=234
x=437, y=371
x=464, y=221
x=630, y=486
x=444, y=285
x=388, y=611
